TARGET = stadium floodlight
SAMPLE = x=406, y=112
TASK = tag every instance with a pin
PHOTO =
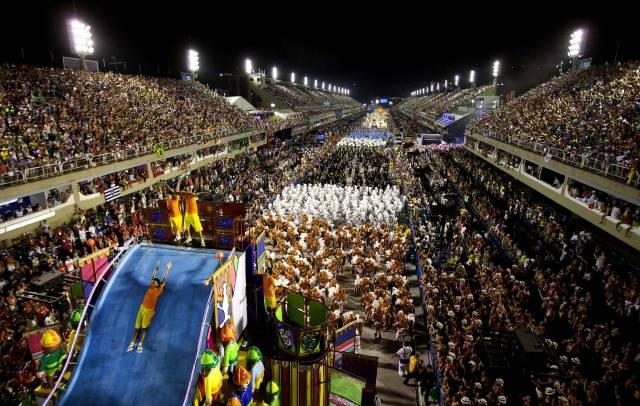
x=274, y=73
x=432, y=88
x=472, y=76
x=315, y=83
x=329, y=87
x=194, y=60
x=438, y=86
x=446, y=84
x=81, y=39
x=322, y=85
x=456, y=80
x=575, y=44
x=377, y=101
x=496, y=72
x=306, y=81
x=293, y=77
x=248, y=66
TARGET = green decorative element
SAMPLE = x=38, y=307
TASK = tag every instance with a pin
x=310, y=342
x=160, y=151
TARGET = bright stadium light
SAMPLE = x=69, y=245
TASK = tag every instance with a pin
x=315, y=83
x=329, y=87
x=293, y=77
x=322, y=85
x=446, y=84
x=248, y=66
x=305, y=81
x=274, y=73
x=432, y=88
x=575, y=44
x=377, y=101
x=472, y=77
x=438, y=86
x=496, y=71
x=456, y=80
x=81, y=38
x=194, y=60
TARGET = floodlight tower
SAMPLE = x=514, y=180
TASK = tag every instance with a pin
x=193, y=59
x=293, y=77
x=248, y=66
x=496, y=72
x=472, y=78
x=274, y=74
x=81, y=40
x=575, y=46
x=456, y=81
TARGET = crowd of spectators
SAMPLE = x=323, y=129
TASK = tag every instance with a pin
x=592, y=115
x=505, y=260
x=51, y=116
x=56, y=249
x=298, y=96
x=446, y=102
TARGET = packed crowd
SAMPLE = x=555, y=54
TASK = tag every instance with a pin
x=57, y=250
x=592, y=114
x=506, y=261
x=352, y=165
x=51, y=116
x=298, y=96
x=441, y=103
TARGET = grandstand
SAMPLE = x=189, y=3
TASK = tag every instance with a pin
x=476, y=243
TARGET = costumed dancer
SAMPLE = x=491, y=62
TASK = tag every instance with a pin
x=53, y=359
x=255, y=366
x=209, y=380
x=231, y=349
x=191, y=218
x=175, y=215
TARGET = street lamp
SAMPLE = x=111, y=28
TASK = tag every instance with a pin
x=496, y=71
x=248, y=66
x=193, y=61
x=81, y=39
x=274, y=73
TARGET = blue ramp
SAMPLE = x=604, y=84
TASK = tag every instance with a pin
x=106, y=373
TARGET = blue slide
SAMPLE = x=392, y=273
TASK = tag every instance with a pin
x=106, y=373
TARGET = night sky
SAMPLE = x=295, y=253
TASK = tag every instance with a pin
x=374, y=49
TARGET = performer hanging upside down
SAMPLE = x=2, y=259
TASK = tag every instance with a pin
x=148, y=307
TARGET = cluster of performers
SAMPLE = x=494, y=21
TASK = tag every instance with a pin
x=309, y=254
x=180, y=224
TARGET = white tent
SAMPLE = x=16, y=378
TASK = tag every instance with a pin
x=240, y=102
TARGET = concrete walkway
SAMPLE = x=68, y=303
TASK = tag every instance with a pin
x=391, y=390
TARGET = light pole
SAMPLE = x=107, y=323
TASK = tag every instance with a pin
x=472, y=79
x=274, y=74
x=456, y=81
x=248, y=66
x=81, y=40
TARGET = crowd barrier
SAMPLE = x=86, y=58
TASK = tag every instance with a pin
x=581, y=160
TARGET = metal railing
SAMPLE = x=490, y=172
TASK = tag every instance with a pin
x=86, y=162
x=85, y=315
x=582, y=160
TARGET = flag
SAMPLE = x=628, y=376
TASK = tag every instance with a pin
x=112, y=193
